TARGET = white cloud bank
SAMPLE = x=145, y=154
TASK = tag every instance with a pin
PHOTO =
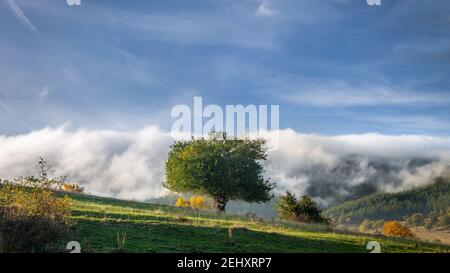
x=131, y=164
x=109, y=163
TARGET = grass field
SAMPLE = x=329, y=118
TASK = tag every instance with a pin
x=158, y=228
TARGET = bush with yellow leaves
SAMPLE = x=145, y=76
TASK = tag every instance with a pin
x=73, y=188
x=394, y=228
x=197, y=202
x=33, y=202
x=32, y=216
x=182, y=203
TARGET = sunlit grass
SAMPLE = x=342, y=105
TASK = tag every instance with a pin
x=159, y=228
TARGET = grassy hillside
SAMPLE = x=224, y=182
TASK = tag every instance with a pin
x=391, y=206
x=159, y=228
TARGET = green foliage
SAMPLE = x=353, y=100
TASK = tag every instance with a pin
x=395, y=206
x=287, y=206
x=304, y=210
x=225, y=169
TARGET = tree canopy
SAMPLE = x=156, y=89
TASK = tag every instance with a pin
x=225, y=169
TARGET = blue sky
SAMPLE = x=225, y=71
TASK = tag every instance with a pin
x=333, y=66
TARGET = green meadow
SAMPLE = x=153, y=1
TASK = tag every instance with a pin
x=111, y=225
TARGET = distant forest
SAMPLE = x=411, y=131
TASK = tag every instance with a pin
x=394, y=206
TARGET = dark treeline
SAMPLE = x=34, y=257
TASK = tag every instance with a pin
x=394, y=206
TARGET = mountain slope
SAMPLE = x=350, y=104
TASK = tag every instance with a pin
x=392, y=206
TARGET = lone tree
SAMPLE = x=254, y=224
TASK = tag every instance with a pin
x=224, y=169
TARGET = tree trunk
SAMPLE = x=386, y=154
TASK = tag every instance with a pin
x=220, y=204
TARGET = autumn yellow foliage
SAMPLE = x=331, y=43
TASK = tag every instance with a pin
x=197, y=202
x=34, y=217
x=72, y=188
x=394, y=228
x=36, y=201
x=182, y=203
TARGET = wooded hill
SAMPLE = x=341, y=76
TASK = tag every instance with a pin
x=394, y=206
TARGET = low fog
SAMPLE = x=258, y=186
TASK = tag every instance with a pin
x=131, y=164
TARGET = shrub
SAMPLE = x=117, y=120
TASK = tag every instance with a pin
x=37, y=201
x=416, y=219
x=197, y=202
x=365, y=226
x=304, y=210
x=32, y=217
x=378, y=226
x=394, y=228
x=287, y=206
x=182, y=203
x=23, y=234
x=73, y=188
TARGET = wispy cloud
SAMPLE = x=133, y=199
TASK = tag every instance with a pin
x=21, y=17
x=265, y=9
x=44, y=92
x=338, y=93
